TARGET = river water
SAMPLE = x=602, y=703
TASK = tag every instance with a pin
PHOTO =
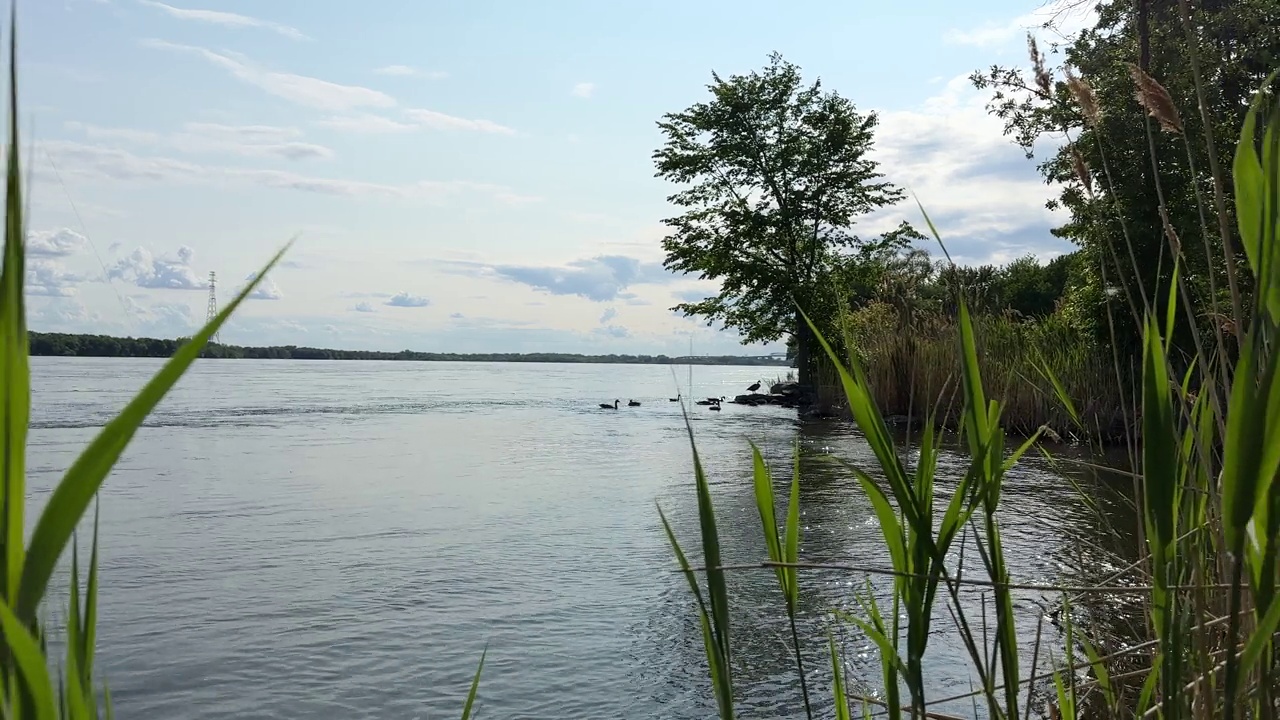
x=310, y=539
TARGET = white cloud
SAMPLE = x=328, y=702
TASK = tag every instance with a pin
x=365, y=307
x=143, y=269
x=266, y=290
x=298, y=89
x=218, y=17
x=1067, y=17
x=418, y=119
x=211, y=138
x=583, y=90
x=48, y=278
x=408, y=71
x=404, y=299
x=55, y=243
x=366, y=123
x=973, y=181
x=433, y=120
x=113, y=164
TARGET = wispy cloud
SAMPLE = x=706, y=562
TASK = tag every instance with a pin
x=196, y=138
x=409, y=71
x=365, y=307
x=417, y=119
x=433, y=120
x=102, y=163
x=583, y=90
x=366, y=123
x=298, y=89
x=600, y=279
x=218, y=17
x=1064, y=17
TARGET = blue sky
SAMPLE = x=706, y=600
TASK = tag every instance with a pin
x=462, y=176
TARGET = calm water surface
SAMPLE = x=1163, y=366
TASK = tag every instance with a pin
x=307, y=539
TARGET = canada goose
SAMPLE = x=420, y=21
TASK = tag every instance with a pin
x=607, y=406
x=754, y=387
x=676, y=398
x=632, y=403
x=704, y=402
x=715, y=407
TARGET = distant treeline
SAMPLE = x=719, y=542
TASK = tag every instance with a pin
x=69, y=345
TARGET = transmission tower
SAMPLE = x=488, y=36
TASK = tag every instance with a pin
x=212, y=312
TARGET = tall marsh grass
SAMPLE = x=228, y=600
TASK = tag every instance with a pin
x=1206, y=476
x=1028, y=364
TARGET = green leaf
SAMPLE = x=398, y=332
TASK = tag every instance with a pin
x=1159, y=448
x=15, y=391
x=837, y=683
x=475, y=686
x=791, y=550
x=1255, y=210
x=765, y=508
x=72, y=496
x=717, y=664
x=30, y=662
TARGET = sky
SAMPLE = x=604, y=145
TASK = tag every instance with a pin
x=460, y=176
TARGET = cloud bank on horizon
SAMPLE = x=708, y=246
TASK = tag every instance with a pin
x=460, y=181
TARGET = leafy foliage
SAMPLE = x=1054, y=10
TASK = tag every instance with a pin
x=774, y=173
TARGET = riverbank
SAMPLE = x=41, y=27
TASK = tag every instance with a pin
x=74, y=345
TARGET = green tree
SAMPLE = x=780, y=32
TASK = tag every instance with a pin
x=1116, y=141
x=774, y=172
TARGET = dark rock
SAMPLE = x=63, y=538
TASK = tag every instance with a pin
x=785, y=388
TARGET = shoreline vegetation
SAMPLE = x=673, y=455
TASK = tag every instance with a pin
x=84, y=345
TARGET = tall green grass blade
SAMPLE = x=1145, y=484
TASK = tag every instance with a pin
x=88, y=636
x=1257, y=221
x=1100, y=672
x=837, y=683
x=721, y=683
x=30, y=661
x=73, y=702
x=73, y=494
x=1059, y=390
x=791, y=545
x=1159, y=447
x=765, y=505
x=15, y=392
x=475, y=687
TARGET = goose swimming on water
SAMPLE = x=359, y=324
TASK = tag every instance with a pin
x=607, y=406
x=715, y=406
x=632, y=403
x=676, y=398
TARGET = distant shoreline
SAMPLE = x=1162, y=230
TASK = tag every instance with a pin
x=102, y=346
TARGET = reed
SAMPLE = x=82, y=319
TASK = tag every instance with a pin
x=1029, y=365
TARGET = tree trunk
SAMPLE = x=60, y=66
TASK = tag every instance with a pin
x=804, y=355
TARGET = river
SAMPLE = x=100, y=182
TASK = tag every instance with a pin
x=313, y=539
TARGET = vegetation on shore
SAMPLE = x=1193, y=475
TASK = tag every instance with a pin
x=1179, y=285
x=73, y=345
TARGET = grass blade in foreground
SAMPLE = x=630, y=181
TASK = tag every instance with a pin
x=72, y=496
x=15, y=393
x=475, y=686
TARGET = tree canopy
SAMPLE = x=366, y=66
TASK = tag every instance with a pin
x=774, y=173
x=1124, y=165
